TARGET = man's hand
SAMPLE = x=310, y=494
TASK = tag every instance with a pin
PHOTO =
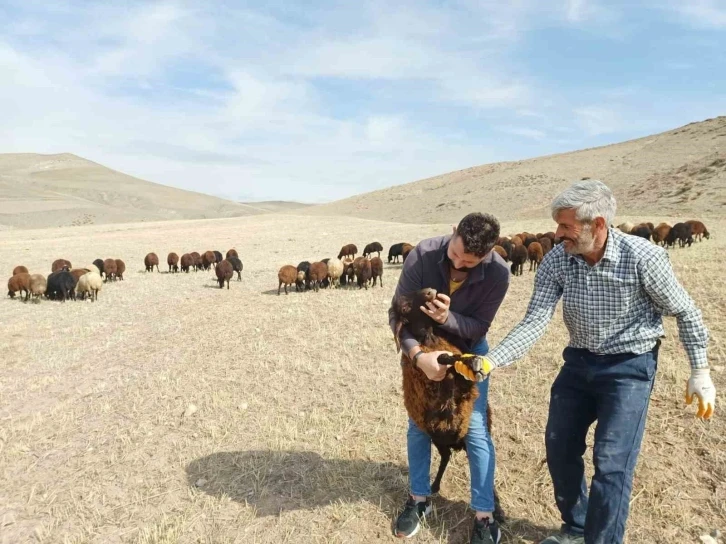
x=701, y=386
x=428, y=363
x=438, y=309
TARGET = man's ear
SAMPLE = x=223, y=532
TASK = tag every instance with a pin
x=600, y=223
x=453, y=229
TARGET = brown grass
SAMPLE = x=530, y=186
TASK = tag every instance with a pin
x=299, y=432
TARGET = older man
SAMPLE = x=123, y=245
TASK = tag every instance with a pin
x=615, y=289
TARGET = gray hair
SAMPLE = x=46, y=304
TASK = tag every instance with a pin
x=589, y=198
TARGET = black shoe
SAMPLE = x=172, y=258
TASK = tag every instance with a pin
x=486, y=531
x=409, y=521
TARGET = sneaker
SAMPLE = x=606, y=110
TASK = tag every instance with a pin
x=486, y=531
x=409, y=521
x=564, y=538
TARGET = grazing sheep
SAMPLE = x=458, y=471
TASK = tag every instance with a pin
x=377, y=270
x=224, y=272
x=363, y=272
x=405, y=250
x=20, y=270
x=501, y=251
x=534, y=252
x=395, y=251
x=60, y=264
x=529, y=240
x=217, y=256
x=551, y=236
x=301, y=278
x=173, y=261
x=187, y=262
x=370, y=248
x=99, y=264
x=626, y=227
x=546, y=244
x=236, y=265
x=89, y=284
x=349, y=275
x=508, y=247
x=19, y=283
x=660, y=233
x=61, y=285
x=519, y=257
x=336, y=269
x=121, y=268
x=286, y=276
x=198, y=262
x=682, y=233
x=109, y=268
x=150, y=261
x=441, y=409
x=642, y=230
x=208, y=259
x=516, y=241
x=92, y=268
x=346, y=250
x=699, y=230
x=317, y=273
x=38, y=286
x=77, y=273
x=231, y=253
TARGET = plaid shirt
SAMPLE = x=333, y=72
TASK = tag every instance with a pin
x=613, y=307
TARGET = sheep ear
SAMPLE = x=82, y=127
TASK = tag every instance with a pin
x=403, y=305
x=397, y=336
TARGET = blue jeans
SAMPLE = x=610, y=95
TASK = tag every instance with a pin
x=479, y=449
x=615, y=391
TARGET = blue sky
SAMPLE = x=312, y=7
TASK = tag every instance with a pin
x=316, y=101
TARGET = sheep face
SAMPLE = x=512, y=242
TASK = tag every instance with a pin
x=408, y=313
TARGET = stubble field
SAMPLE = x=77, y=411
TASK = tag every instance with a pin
x=294, y=428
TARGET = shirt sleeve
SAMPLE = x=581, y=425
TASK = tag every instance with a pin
x=546, y=294
x=411, y=280
x=476, y=326
x=670, y=298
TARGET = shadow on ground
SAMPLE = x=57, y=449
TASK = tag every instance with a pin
x=272, y=482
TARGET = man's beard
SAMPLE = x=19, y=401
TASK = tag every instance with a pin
x=585, y=243
x=461, y=268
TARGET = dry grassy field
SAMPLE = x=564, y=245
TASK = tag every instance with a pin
x=299, y=430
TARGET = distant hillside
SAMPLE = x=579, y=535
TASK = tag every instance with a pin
x=273, y=206
x=58, y=190
x=681, y=172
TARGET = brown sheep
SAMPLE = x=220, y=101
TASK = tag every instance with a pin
x=60, y=264
x=77, y=273
x=224, y=272
x=150, y=261
x=517, y=241
x=20, y=270
x=519, y=257
x=529, y=240
x=347, y=250
x=500, y=251
x=317, y=272
x=699, y=230
x=551, y=236
x=19, y=283
x=660, y=233
x=198, y=263
x=405, y=250
x=534, y=252
x=231, y=253
x=121, y=268
x=187, y=262
x=363, y=273
x=208, y=259
x=286, y=276
x=109, y=269
x=173, y=261
x=38, y=285
x=440, y=409
x=349, y=273
x=377, y=270
x=546, y=244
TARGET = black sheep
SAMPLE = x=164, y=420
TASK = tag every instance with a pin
x=681, y=232
x=370, y=248
x=218, y=257
x=236, y=266
x=61, y=286
x=302, y=283
x=643, y=231
x=519, y=257
x=395, y=251
x=99, y=265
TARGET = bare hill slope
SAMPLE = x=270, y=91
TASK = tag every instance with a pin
x=57, y=190
x=679, y=172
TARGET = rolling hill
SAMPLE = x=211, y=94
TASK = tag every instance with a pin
x=678, y=172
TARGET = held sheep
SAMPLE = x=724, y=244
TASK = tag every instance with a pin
x=377, y=270
x=89, y=284
x=534, y=253
x=224, y=272
x=372, y=247
x=187, y=262
x=20, y=270
x=150, y=261
x=286, y=276
x=236, y=265
x=19, y=283
x=172, y=260
x=519, y=257
x=38, y=285
x=109, y=268
x=121, y=268
x=441, y=409
x=346, y=250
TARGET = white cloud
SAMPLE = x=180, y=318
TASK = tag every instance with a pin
x=701, y=13
x=527, y=132
x=596, y=120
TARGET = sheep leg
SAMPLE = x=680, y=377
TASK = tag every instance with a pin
x=445, y=454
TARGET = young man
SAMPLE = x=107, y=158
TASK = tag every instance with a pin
x=471, y=281
x=615, y=289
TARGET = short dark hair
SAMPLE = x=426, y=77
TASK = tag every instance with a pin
x=479, y=233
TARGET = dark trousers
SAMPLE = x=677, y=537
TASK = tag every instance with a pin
x=615, y=391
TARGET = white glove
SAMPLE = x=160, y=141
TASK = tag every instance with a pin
x=701, y=386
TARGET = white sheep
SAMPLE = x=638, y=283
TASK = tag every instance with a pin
x=626, y=227
x=89, y=283
x=335, y=271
